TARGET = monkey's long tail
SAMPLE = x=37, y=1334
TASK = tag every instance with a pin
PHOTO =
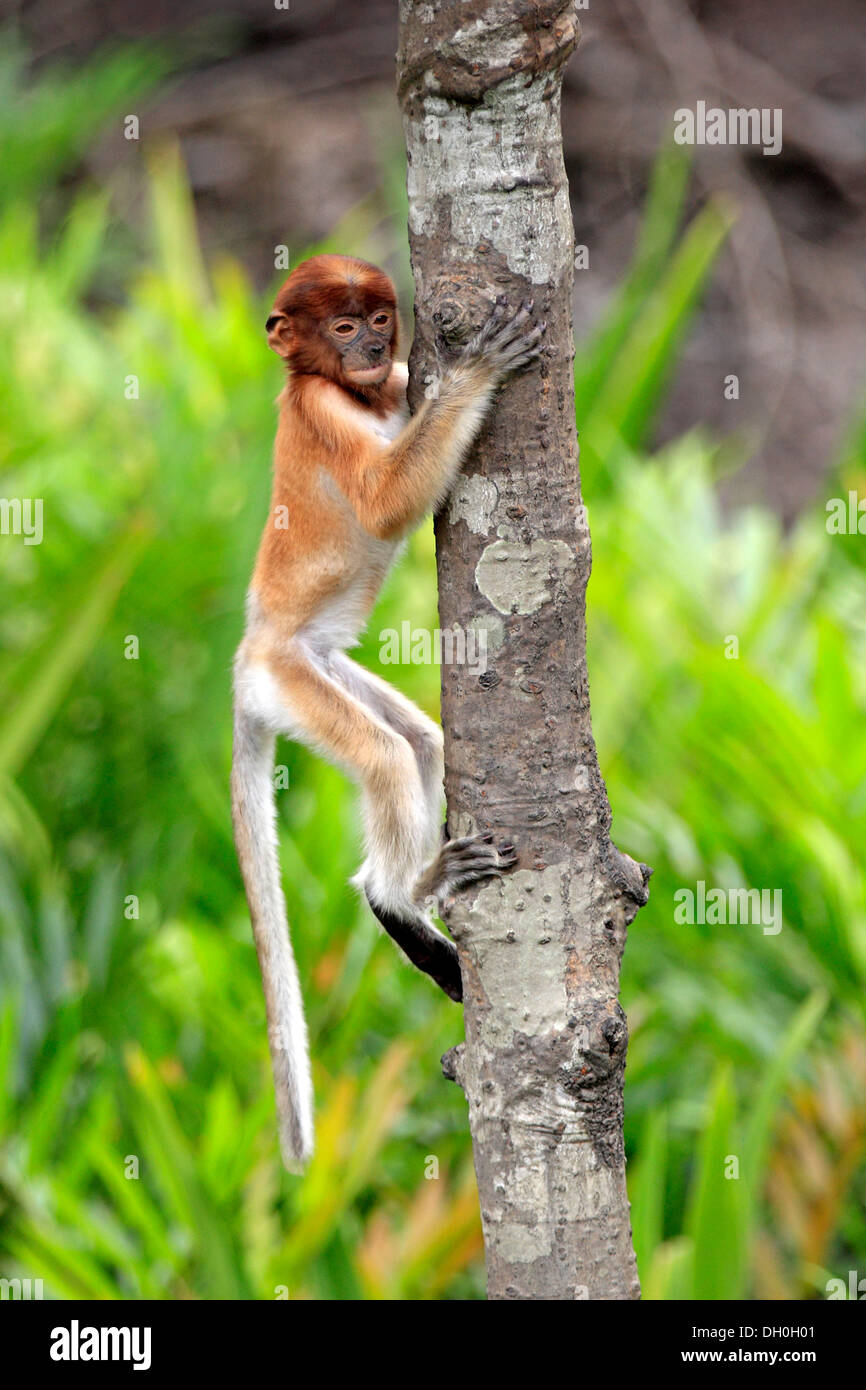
x=254, y=818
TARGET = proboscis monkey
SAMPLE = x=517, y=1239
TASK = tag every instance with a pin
x=353, y=475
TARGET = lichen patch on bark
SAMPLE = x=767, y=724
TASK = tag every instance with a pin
x=508, y=921
x=473, y=500
x=517, y=577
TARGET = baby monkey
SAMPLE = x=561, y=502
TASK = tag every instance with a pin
x=353, y=475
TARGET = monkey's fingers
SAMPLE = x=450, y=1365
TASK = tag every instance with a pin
x=525, y=349
x=518, y=363
x=512, y=328
x=479, y=343
x=500, y=326
x=523, y=342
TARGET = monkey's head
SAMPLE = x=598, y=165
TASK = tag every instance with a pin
x=336, y=317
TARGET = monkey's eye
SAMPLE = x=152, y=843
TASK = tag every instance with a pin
x=381, y=320
x=344, y=328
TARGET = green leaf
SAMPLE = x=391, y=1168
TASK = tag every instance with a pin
x=715, y=1219
x=647, y=1191
x=41, y=682
x=758, y=1129
x=623, y=409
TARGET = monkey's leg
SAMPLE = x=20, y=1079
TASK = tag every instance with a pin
x=458, y=863
x=424, y=736
x=319, y=711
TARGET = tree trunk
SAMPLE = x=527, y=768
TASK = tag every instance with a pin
x=540, y=950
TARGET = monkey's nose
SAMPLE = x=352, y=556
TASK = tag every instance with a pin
x=376, y=349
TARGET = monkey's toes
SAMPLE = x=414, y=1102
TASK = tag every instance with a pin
x=473, y=858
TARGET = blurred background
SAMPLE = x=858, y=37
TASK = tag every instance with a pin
x=727, y=630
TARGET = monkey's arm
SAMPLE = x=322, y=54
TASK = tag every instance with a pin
x=396, y=485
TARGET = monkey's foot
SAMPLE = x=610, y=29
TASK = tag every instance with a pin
x=468, y=860
x=424, y=946
x=458, y=864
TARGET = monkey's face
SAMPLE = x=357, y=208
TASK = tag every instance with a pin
x=364, y=345
x=336, y=316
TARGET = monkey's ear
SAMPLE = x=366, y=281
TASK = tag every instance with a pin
x=279, y=334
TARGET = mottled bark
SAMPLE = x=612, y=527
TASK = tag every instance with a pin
x=540, y=950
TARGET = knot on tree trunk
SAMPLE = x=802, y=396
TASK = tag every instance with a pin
x=524, y=36
x=600, y=1043
x=461, y=300
x=452, y=1064
x=593, y=1075
x=630, y=879
x=458, y=310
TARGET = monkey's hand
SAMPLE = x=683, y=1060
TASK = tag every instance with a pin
x=507, y=341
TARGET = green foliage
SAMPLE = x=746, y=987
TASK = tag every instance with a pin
x=621, y=372
x=46, y=125
x=710, y=1262
x=137, y=1141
